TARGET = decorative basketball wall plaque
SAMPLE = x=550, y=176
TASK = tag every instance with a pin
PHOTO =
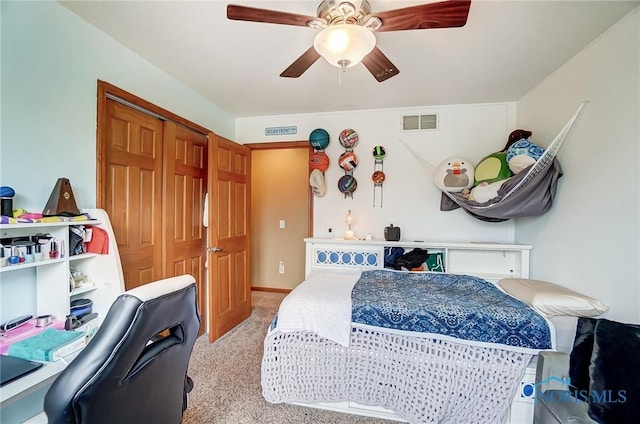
x=378, y=175
x=318, y=161
x=348, y=161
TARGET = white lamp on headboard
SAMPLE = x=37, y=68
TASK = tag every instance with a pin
x=349, y=219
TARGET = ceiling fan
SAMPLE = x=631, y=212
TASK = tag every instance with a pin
x=347, y=26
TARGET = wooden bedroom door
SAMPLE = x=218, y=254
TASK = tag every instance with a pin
x=229, y=235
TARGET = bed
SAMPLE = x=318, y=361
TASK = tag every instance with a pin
x=359, y=338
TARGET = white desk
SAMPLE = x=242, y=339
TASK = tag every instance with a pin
x=24, y=398
x=45, y=285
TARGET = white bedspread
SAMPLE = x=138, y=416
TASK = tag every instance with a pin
x=423, y=380
x=316, y=354
x=321, y=304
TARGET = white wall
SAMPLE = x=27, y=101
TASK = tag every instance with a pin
x=410, y=199
x=589, y=241
x=51, y=61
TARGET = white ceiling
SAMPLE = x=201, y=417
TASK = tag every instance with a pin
x=504, y=50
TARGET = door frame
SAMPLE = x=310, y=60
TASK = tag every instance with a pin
x=281, y=145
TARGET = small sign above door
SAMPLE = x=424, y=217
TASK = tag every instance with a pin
x=281, y=130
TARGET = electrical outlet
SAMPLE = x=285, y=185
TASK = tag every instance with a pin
x=329, y=231
x=281, y=267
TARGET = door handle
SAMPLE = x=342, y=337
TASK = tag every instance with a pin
x=214, y=249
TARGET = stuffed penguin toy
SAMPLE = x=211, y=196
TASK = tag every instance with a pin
x=454, y=175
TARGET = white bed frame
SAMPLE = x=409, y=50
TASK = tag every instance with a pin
x=490, y=261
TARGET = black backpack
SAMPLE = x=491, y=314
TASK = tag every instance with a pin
x=413, y=259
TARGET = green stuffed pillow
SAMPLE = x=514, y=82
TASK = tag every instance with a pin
x=492, y=168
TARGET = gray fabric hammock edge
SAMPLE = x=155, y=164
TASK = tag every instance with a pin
x=529, y=193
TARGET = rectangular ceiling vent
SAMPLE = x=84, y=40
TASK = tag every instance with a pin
x=420, y=122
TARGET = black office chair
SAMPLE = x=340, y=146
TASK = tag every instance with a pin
x=135, y=368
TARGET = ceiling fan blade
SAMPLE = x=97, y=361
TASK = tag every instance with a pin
x=301, y=64
x=379, y=65
x=253, y=14
x=445, y=14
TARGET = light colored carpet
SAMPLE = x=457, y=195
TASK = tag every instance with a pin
x=226, y=375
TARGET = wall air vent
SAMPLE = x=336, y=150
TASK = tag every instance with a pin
x=420, y=122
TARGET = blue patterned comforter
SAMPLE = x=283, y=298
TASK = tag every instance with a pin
x=456, y=306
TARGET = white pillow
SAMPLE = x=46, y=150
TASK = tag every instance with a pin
x=551, y=299
x=520, y=162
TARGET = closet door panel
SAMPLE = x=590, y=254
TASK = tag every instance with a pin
x=134, y=191
x=185, y=179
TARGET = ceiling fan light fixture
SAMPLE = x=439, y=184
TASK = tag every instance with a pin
x=317, y=23
x=346, y=9
x=344, y=45
x=372, y=23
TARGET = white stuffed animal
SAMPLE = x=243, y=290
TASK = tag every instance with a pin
x=484, y=191
x=454, y=175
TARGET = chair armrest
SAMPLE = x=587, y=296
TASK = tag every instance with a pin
x=552, y=371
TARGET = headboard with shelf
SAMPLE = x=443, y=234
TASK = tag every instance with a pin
x=491, y=261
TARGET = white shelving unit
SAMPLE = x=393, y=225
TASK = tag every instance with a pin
x=43, y=288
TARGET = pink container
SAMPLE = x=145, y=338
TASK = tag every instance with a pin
x=25, y=331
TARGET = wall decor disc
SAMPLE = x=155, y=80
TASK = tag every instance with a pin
x=319, y=160
x=378, y=177
x=379, y=152
x=348, y=161
x=348, y=138
x=319, y=139
x=347, y=184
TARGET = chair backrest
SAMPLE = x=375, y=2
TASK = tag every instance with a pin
x=134, y=369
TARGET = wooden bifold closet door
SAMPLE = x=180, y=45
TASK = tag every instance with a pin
x=133, y=191
x=153, y=171
x=185, y=185
x=152, y=185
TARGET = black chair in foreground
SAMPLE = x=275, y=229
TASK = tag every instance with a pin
x=135, y=368
x=598, y=382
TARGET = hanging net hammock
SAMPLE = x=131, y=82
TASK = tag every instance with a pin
x=529, y=193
